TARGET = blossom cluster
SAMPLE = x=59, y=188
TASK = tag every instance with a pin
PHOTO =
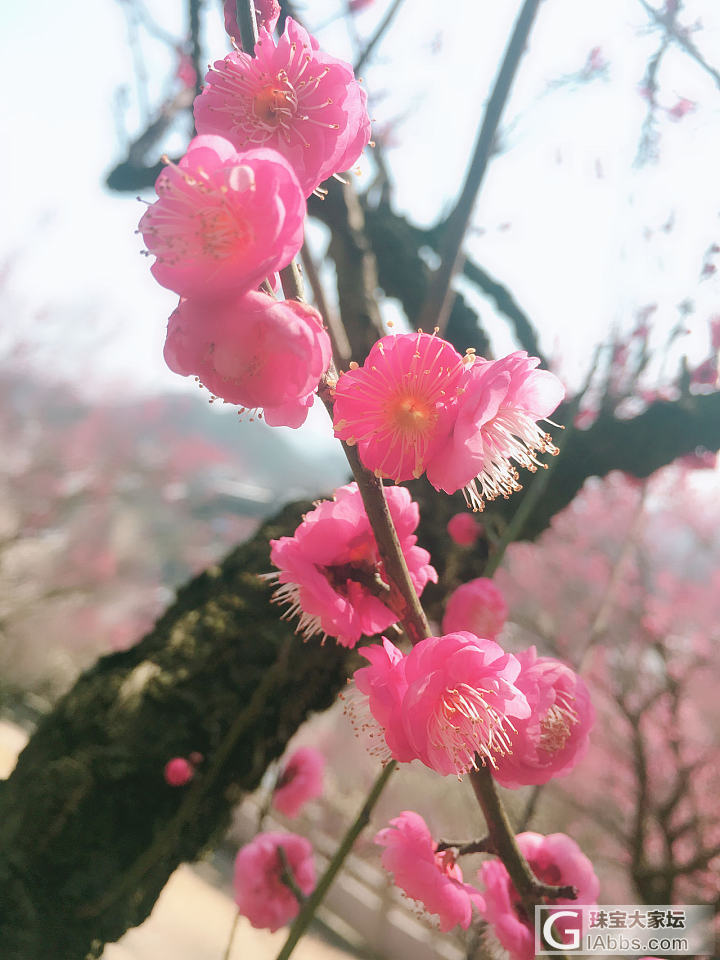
x=434, y=878
x=272, y=126
x=459, y=700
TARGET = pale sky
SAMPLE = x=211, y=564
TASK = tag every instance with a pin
x=565, y=218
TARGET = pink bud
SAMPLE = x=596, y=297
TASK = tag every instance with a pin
x=464, y=529
x=178, y=772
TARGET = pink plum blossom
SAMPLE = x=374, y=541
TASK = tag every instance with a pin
x=330, y=570
x=556, y=860
x=267, y=13
x=477, y=606
x=460, y=695
x=433, y=878
x=555, y=736
x=223, y=221
x=464, y=529
x=178, y=772
x=292, y=97
x=252, y=350
x=416, y=405
x=300, y=780
x=446, y=703
x=260, y=893
x=496, y=426
x=400, y=405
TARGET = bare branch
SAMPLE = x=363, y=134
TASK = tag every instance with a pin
x=437, y=305
x=681, y=38
x=377, y=36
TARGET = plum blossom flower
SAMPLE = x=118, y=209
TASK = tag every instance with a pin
x=415, y=405
x=446, y=703
x=266, y=11
x=459, y=700
x=556, y=860
x=495, y=427
x=555, y=736
x=330, y=570
x=464, y=529
x=252, y=350
x=399, y=406
x=260, y=893
x=292, y=97
x=178, y=771
x=223, y=221
x=477, y=606
x=300, y=780
x=433, y=878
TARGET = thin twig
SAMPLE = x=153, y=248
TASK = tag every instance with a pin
x=502, y=836
x=307, y=911
x=484, y=845
x=336, y=330
x=679, y=37
x=403, y=599
x=377, y=36
x=195, y=43
x=288, y=877
x=530, y=806
x=292, y=282
x=436, y=308
x=233, y=928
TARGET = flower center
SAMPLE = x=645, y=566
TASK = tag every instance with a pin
x=556, y=725
x=275, y=102
x=411, y=415
x=194, y=217
x=465, y=724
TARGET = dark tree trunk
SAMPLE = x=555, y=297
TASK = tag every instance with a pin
x=89, y=830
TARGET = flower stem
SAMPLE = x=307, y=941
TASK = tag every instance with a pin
x=247, y=22
x=288, y=877
x=307, y=912
x=403, y=599
x=291, y=279
x=502, y=838
x=233, y=928
x=485, y=845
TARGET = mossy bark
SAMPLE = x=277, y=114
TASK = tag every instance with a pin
x=89, y=830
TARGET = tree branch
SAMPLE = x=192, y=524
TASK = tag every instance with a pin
x=437, y=305
x=667, y=21
x=247, y=21
x=377, y=36
x=502, y=837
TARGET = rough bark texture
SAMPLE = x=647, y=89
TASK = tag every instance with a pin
x=89, y=830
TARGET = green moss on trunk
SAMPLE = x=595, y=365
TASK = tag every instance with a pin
x=89, y=830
